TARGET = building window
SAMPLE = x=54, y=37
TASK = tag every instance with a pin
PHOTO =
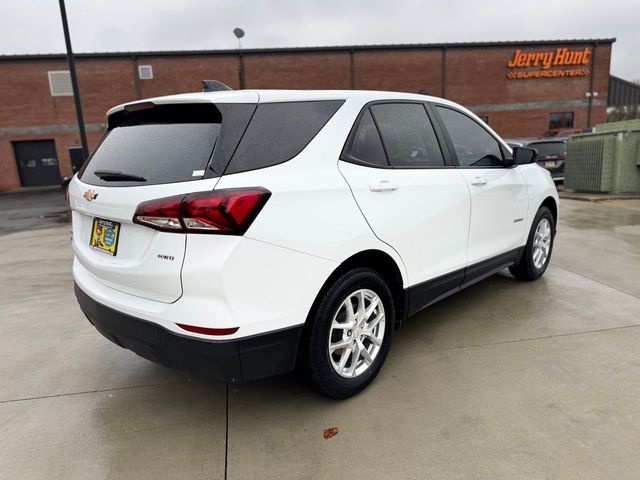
x=60, y=83
x=560, y=120
x=145, y=72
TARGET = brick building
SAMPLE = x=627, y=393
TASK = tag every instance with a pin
x=519, y=88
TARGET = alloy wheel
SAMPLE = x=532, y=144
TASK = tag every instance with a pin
x=356, y=334
x=541, y=243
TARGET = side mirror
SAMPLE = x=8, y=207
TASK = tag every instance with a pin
x=524, y=155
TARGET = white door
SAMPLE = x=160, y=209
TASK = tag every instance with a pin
x=499, y=198
x=410, y=198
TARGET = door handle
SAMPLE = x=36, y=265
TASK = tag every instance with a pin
x=478, y=181
x=383, y=186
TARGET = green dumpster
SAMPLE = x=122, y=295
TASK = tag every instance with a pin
x=606, y=160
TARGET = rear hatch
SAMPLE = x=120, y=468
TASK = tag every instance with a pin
x=149, y=152
x=550, y=154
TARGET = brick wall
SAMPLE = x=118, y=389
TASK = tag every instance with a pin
x=404, y=71
x=183, y=74
x=509, y=123
x=298, y=70
x=479, y=77
x=474, y=77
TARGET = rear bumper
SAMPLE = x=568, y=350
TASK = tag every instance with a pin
x=240, y=359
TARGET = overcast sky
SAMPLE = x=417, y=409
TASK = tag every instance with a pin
x=33, y=26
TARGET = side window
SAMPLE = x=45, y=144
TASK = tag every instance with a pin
x=367, y=146
x=408, y=135
x=474, y=146
x=280, y=131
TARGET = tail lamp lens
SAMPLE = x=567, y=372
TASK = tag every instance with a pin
x=227, y=212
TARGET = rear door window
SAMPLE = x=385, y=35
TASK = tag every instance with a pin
x=366, y=146
x=280, y=131
x=407, y=135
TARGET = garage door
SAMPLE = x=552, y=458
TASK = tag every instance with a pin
x=37, y=163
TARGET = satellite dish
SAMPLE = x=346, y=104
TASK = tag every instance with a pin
x=238, y=32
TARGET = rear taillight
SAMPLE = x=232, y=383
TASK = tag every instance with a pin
x=228, y=212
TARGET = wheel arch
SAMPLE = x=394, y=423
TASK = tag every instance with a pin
x=382, y=263
x=552, y=205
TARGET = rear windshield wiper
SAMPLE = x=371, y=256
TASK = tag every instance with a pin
x=113, y=176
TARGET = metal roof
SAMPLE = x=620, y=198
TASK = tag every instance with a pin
x=622, y=92
x=335, y=48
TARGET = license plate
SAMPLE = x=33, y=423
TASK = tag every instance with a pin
x=550, y=164
x=104, y=236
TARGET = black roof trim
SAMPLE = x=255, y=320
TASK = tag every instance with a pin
x=336, y=48
x=626, y=82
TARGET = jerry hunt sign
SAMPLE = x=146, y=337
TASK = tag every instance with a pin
x=539, y=64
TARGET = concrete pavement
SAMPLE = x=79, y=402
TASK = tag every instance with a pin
x=505, y=380
x=32, y=210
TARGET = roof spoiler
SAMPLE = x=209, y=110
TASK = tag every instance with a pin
x=214, y=86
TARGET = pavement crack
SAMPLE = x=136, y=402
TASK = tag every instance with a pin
x=85, y=392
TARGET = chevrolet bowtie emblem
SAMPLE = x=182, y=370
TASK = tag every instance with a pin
x=90, y=195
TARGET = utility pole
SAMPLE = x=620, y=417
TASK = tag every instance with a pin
x=591, y=94
x=74, y=81
x=239, y=33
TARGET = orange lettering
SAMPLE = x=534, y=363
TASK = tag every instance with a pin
x=522, y=58
x=561, y=57
x=512, y=63
x=537, y=58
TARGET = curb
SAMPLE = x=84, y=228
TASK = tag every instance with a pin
x=29, y=190
x=583, y=197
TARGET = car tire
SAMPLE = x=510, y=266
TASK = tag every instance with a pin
x=537, y=252
x=320, y=362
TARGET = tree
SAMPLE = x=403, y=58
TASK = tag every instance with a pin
x=627, y=112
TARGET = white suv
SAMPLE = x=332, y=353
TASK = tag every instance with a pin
x=241, y=234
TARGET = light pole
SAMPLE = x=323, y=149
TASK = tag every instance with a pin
x=239, y=33
x=74, y=81
x=590, y=96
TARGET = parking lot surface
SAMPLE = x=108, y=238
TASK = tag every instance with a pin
x=504, y=380
x=24, y=210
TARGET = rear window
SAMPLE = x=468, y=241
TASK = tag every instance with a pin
x=166, y=144
x=155, y=153
x=550, y=149
x=177, y=143
x=280, y=131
